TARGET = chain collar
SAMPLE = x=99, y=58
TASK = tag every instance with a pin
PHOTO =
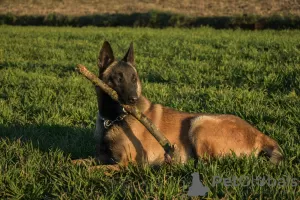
x=107, y=123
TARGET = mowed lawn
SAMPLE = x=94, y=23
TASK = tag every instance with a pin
x=47, y=110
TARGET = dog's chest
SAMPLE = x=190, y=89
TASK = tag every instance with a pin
x=123, y=132
x=128, y=141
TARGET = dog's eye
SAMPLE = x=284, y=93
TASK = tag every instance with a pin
x=133, y=78
x=118, y=77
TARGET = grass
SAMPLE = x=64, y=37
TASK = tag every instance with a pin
x=186, y=7
x=47, y=111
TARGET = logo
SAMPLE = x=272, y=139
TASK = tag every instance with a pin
x=197, y=188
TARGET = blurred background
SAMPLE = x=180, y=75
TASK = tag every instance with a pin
x=223, y=14
x=186, y=7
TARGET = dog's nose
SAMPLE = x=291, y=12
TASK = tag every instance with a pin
x=133, y=99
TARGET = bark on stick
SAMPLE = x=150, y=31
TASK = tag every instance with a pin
x=134, y=111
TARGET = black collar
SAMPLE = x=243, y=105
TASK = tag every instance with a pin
x=107, y=122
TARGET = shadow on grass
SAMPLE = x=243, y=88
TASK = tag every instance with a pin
x=78, y=142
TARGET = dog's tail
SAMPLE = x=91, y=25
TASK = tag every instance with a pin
x=273, y=150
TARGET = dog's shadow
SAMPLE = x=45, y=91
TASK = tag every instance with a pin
x=74, y=141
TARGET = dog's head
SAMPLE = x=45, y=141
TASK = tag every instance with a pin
x=120, y=75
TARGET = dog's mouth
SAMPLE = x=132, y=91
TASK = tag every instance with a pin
x=129, y=100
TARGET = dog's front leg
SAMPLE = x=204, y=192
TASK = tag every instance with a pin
x=115, y=167
x=98, y=135
x=90, y=162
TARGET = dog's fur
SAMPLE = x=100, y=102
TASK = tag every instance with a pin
x=195, y=135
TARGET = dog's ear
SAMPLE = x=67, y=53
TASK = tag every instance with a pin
x=129, y=57
x=106, y=57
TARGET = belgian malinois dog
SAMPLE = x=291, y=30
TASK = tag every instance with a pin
x=121, y=138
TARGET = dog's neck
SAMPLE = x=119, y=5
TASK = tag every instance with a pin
x=111, y=109
x=107, y=107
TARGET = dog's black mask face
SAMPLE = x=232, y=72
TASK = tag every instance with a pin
x=120, y=75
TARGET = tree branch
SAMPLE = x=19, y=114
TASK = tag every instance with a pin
x=134, y=111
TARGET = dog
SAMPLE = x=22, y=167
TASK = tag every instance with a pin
x=120, y=138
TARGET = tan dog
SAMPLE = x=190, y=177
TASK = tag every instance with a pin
x=121, y=138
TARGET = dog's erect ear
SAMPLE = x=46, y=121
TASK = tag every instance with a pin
x=129, y=57
x=106, y=56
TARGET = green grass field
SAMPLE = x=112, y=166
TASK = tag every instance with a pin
x=47, y=110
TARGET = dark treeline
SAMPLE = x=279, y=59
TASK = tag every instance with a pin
x=155, y=19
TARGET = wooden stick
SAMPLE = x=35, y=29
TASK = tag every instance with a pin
x=134, y=111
